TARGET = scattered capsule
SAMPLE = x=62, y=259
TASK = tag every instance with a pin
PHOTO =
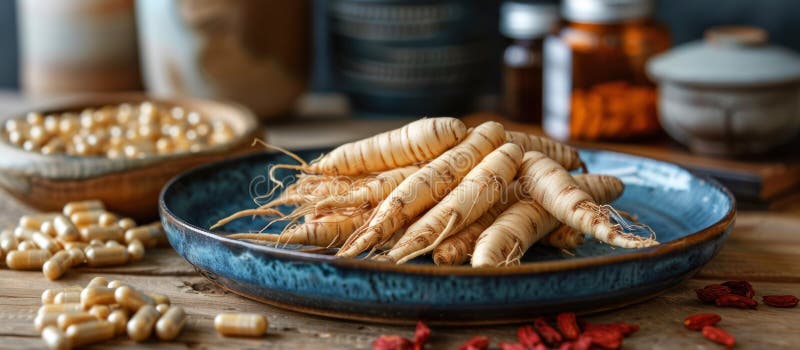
x=162, y=308
x=59, y=308
x=136, y=250
x=108, y=219
x=110, y=244
x=170, y=324
x=54, y=146
x=97, y=295
x=96, y=243
x=55, y=339
x=46, y=242
x=116, y=284
x=70, y=318
x=49, y=295
x=126, y=224
x=141, y=324
x=44, y=320
x=77, y=256
x=106, y=256
x=65, y=230
x=103, y=233
x=23, y=233
x=151, y=234
x=75, y=245
x=57, y=265
x=91, y=205
x=34, y=222
x=86, y=218
x=252, y=325
x=48, y=228
x=7, y=241
x=119, y=318
x=27, y=245
x=98, y=281
x=159, y=298
x=27, y=259
x=69, y=297
x=100, y=311
x=132, y=299
x=90, y=332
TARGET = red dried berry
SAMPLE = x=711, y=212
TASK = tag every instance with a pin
x=584, y=342
x=608, y=338
x=567, y=345
x=511, y=346
x=625, y=329
x=697, y=322
x=710, y=293
x=478, y=342
x=421, y=335
x=391, y=342
x=718, y=336
x=780, y=300
x=568, y=325
x=528, y=337
x=548, y=333
x=540, y=346
x=735, y=300
x=742, y=288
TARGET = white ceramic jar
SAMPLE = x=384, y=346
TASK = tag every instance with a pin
x=732, y=94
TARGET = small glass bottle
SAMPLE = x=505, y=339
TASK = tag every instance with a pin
x=526, y=24
x=594, y=80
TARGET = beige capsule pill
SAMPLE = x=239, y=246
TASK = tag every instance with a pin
x=119, y=318
x=74, y=245
x=98, y=281
x=44, y=320
x=55, y=339
x=46, y=242
x=251, y=325
x=48, y=228
x=7, y=241
x=106, y=256
x=103, y=233
x=27, y=245
x=116, y=284
x=136, y=250
x=54, y=146
x=35, y=221
x=86, y=218
x=171, y=322
x=70, y=318
x=67, y=298
x=113, y=244
x=151, y=235
x=97, y=295
x=142, y=322
x=100, y=311
x=108, y=219
x=96, y=243
x=23, y=233
x=66, y=231
x=89, y=332
x=132, y=299
x=27, y=260
x=159, y=298
x=59, y=308
x=57, y=265
x=162, y=308
x=49, y=295
x=126, y=223
x=77, y=256
x=90, y=205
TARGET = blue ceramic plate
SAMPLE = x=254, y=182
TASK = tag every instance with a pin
x=692, y=216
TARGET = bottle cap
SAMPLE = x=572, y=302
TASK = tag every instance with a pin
x=521, y=20
x=606, y=11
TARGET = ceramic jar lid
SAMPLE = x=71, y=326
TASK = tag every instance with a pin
x=729, y=56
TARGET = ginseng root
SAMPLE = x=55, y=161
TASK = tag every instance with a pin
x=369, y=193
x=324, y=231
x=561, y=153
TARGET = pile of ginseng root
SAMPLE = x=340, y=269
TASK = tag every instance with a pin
x=436, y=187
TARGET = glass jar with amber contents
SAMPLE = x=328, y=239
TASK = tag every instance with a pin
x=595, y=85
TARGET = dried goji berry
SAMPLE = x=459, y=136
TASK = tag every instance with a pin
x=391, y=342
x=568, y=325
x=697, y=322
x=608, y=338
x=478, y=342
x=780, y=300
x=584, y=342
x=511, y=346
x=625, y=329
x=567, y=345
x=421, y=335
x=735, y=300
x=711, y=292
x=548, y=333
x=718, y=336
x=540, y=346
x=742, y=288
x=528, y=337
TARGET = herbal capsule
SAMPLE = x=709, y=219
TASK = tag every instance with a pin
x=49, y=295
x=126, y=224
x=100, y=311
x=54, y=146
x=48, y=228
x=151, y=234
x=96, y=295
x=107, y=219
x=44, y=320
x=162, y=308
x=106, y=256
x=67, y=298
x=27, y=245
x=57, y=265
x=119, y=318
x=132, y=299
x=77, y=256
x=113, y=244
x=27, y=260
x=70, y=318
x=65, y=230
x=86, y=218
x=59, y=308
x=98, y=281
x=46, y=242
x=252, y=325
x=116, y=284
x=74, y=207
x=34, y=222
x=103, y=233
x=96, y=243
x=7, y=241
x=55, y=339
x=141, y=324
x=171, y=323
x=90, y=332
x=23, y=233
x=136, y=250
x=159, y=298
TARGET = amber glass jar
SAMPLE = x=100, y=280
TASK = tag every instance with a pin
x=595, y=82
x=526, y=25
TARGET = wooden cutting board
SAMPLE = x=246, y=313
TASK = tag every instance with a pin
x=758, y=182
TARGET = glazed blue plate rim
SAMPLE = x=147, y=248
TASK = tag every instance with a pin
x=695, y=238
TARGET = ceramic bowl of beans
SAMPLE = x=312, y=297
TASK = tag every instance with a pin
x=119, y=148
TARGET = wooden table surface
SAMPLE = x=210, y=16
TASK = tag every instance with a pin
x=764, y=249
